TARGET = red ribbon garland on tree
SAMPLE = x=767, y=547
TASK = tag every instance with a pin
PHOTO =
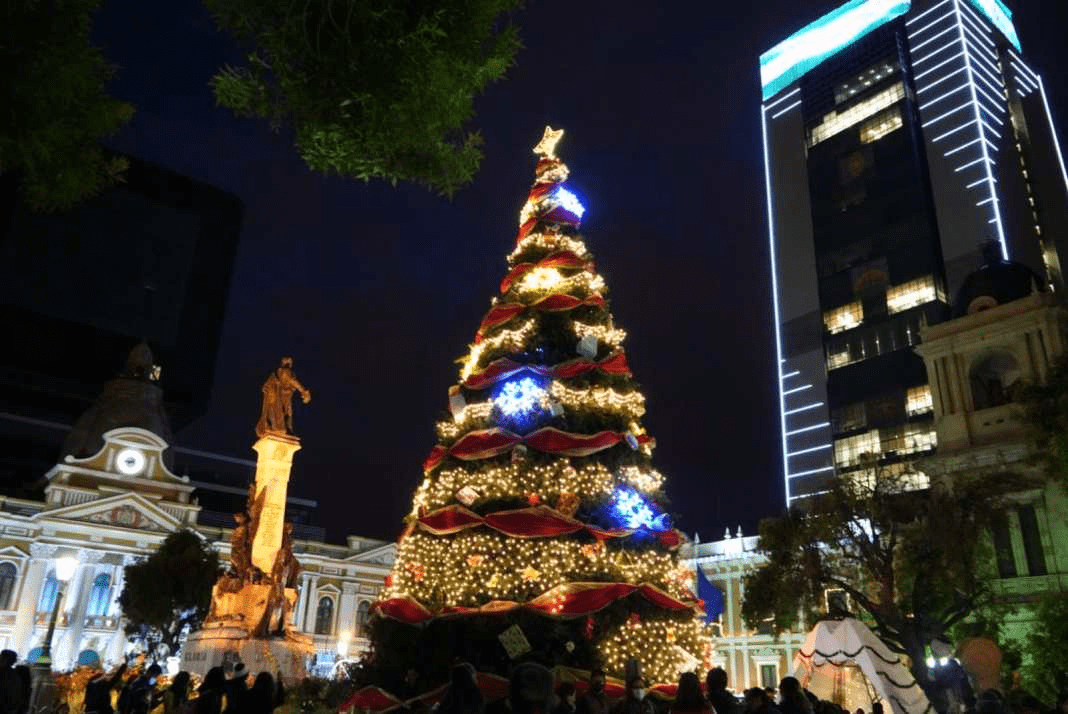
x=538, y=522
x=485, y=443
x=559, y=259
x=503, y=368
x=500, y=314
x=569, y=601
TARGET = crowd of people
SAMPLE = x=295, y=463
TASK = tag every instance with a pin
x=115, y=693
x=531, y=691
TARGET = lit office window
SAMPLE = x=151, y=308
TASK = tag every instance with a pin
x=915, y=292
x=845, y=92
x=838, y=358
x=837, y=122
x=909, y=439
x=918, y=400
x=880, y=125
x=850, y=450
x=843, y=318
x=849, y=418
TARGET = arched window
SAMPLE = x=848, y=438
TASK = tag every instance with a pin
x=324, y=617
x=363, y=613
x=994, y=379
x=49, y=591
x=8, y=574
x=99, y=596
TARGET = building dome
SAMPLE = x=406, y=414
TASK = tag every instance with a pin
x=134, y=398
x=997, y=282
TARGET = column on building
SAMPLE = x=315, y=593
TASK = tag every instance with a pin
x=116, y=647
x=75, y=599
x=311, y=604
x=346, y=615
x=302, y=602
x=29, y=594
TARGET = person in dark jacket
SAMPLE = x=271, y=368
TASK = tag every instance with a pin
x=10, y=687
x=211, y=692
x=635, y=701
x=722, y=701
x=463, y=695
x=792, y=699
x=142, y=697
x=237, y=690
x=594, y=700
x=688, y=697
x=263, y=697
x=530, y=689
x=98, y=691
x=757, y=702
x=566, y=696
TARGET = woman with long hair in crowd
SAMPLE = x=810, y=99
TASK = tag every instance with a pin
x=688, y=698
x=210, y=693
x=177, y=694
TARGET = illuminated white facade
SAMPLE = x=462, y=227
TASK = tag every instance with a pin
x=117, y=506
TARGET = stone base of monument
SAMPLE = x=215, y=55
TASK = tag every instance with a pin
x=232, y=633
x=220, y=643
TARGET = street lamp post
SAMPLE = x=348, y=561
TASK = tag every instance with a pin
x=44, y=684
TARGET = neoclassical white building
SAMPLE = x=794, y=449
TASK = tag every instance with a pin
x=117, y=505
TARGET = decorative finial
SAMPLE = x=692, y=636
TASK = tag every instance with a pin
x=546, y=148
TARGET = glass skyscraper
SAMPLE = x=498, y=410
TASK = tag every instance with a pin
x=902, y=140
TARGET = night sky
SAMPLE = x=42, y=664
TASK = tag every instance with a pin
x=376, y=291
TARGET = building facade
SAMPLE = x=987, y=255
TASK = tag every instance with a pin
x=900, y=137
x=751, y=657
x=112, y=508
x=1002, y=335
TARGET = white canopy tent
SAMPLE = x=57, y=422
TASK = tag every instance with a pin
x=842, y=661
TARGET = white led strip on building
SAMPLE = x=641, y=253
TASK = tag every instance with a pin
x=775, y=300
x=982, y=85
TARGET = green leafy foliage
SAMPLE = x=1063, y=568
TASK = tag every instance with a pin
x=1045, y=670
x=371, y=90
x=54, y=105
x=1045, y=408
x=170, y=591
x=913, y=563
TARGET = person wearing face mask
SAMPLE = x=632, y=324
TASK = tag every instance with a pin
x=635, y=701
x=594, y=700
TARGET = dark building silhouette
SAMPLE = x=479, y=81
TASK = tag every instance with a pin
x=148, y=260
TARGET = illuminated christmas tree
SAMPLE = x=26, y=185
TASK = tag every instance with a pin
x=538, y=533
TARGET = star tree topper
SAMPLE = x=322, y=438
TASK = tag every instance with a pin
x=546, y=148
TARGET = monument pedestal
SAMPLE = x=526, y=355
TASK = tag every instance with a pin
x=252, y=602
x=221, y=642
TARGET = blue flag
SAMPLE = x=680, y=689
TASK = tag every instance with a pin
x=712, y=596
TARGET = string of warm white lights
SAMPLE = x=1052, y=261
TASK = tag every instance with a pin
x=544, y=481
x=604, y=399
x=474, y=567
x=512, y=340
x=548, y=240
x=542, y=281
x=664, y=646
x=606, y=334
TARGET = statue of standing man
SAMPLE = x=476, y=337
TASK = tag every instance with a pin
x=277, y=413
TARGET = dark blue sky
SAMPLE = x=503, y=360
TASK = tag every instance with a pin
x=376, y=291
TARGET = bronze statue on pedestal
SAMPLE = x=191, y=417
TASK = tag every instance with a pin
x=276, y=416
